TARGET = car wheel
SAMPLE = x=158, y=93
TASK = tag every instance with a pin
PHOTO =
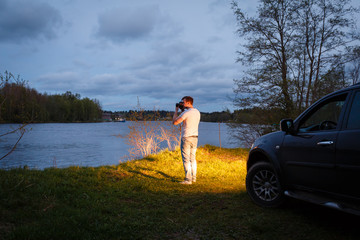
x=263, y=185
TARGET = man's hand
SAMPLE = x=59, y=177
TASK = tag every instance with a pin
x=176, y=119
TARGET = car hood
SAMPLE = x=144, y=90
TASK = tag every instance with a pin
x=271, y=141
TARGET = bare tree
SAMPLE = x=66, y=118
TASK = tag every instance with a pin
x=291, y=45
x=6, y=79
x=294, y=51
x=246, y=134
x=354, y=71
x=170, y=134
x=20, y=131
x=325, y=40
x=147, y=134
x=267, y=51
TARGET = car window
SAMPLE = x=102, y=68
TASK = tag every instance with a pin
x=325, y=116
x=354, y=117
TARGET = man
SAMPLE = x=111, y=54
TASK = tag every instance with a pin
x=190, y=117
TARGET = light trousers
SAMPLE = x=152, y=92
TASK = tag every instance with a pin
x=188, y=153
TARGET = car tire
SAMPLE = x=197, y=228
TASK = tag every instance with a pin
x=263, y=185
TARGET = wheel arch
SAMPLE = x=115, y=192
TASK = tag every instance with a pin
x=259, y=155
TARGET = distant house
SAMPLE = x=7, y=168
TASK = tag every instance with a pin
x=118, y=118
x=106, y=117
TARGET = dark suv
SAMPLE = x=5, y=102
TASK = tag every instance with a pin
x=315, y=158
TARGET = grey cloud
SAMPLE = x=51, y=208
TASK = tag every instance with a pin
x=25, y=20
x=3, y=4
x=179, y=68
x=179, y=86
x=127, y=85
x=58, y=82
x=123, y=24
x=108, y=84
x=104, y=84
x=169, y=72
x=176, y=55
x=167, y=59
x=82, y=64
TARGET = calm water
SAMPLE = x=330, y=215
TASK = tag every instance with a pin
x=81, y=144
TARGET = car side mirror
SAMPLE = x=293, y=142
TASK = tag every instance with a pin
x=287, y=125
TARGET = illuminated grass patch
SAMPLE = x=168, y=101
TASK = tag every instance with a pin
x=142, y=199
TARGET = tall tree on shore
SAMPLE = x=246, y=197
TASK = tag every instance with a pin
x=267, y=52
x=355, y=67
x=6, y=79
x=326, y=42
x=292, y=48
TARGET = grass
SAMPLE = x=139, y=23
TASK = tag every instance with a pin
x=142, y=199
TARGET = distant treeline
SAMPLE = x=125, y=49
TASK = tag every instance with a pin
x=142, y=115
x=167, y=115
x=253, y=115
x=20, y=103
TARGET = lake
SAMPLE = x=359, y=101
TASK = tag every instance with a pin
x=82, y=144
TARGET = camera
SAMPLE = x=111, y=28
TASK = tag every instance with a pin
x=180, y=105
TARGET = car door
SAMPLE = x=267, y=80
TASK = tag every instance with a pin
x=308, y=156
x=348, y=151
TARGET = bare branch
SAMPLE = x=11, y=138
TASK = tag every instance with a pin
x=22, y=131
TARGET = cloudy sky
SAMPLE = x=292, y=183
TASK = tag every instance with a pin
x=119, y=51
x=116, y=51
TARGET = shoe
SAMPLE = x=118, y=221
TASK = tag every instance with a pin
x=194, y=180
x=185, y=182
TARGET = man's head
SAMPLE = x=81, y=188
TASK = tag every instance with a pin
x=188, y=101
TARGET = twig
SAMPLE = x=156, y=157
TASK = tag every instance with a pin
x=22, y=131
x=14, y=131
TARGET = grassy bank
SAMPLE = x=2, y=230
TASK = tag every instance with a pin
x=143, y=200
